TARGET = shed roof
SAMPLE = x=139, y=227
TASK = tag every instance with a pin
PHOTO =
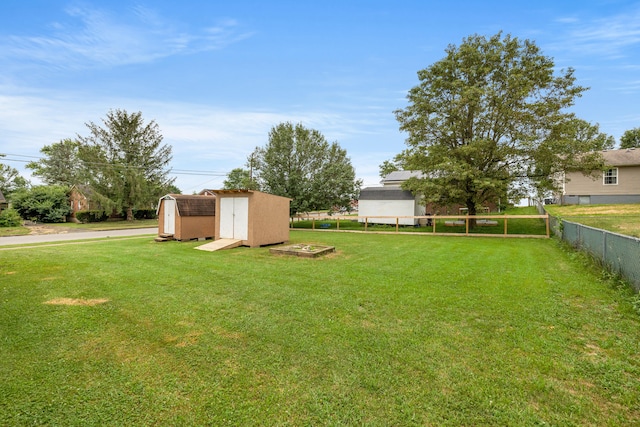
x=2, y=199
x=623, y=157
x=398, y=177
x=194, y=205
x=385, y=193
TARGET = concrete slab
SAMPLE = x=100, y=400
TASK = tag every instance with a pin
x=220, y=244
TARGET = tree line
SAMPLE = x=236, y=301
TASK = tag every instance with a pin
x=299, y=163
x=123, y=164
x=489, y=121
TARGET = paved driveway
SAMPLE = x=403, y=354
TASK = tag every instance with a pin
x=81, y=235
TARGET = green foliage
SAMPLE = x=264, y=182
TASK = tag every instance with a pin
x=144, y=214
x=43, y=203
x=387, y=167
x=11, y=181
x=489, y=121
x=10, y=218
x=126, y=162
x=91, y=216
x=240, y=179
x=300, y=164
x=60, y=165
x=631, y=138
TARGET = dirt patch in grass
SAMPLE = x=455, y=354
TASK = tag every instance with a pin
x=76, y=301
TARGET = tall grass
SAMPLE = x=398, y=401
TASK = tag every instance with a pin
x=390, y=330
x=621, y=218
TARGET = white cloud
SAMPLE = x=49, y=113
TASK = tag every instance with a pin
x=611, y=36
x=98, y=38
x=203, y=137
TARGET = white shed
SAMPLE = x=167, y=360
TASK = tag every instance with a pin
x=389, y=201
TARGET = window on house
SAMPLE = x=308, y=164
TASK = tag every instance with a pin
x=611, y=177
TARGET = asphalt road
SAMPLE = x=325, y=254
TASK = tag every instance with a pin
x=82, y=235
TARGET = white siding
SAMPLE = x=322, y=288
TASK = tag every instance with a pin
x=370, y=208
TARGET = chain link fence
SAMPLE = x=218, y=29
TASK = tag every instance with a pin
x=621, y=254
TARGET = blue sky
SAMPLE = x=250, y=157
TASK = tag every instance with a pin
x=218, y=75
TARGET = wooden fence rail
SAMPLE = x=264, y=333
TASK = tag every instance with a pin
x=454, y=220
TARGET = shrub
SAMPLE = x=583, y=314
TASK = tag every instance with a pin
x=10, y=218
x=42, y=203
x=144, y=213
x=91, y=216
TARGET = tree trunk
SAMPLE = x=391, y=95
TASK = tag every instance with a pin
x=471, y=211
x=129, y=213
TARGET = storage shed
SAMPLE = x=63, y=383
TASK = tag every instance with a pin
x=255, y=218
x=389, y=201
x=186, y=217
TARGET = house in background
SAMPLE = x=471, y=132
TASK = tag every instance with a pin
x=80, y=199
x=620, y=183
x=3, y=202
x=390, y=200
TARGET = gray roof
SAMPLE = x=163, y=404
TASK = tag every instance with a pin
x=398, y=177
x=385, y=193
x=624, y=157
x=2, y=199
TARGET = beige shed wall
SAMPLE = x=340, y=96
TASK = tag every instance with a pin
x=268, y=217
x=195, y=227
x=188, y=227
x=628, y=183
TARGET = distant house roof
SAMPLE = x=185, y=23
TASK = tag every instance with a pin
x=3, y=201
x=385, y=193
x=193, y=205
x=623, y=157
x=398, y=177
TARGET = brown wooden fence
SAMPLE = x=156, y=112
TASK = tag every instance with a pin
x=318, y=222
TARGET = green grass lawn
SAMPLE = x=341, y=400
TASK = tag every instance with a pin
x=622, y=219
x=13, y=231
x=524, y=226
x=389, y=330
x=93, y=226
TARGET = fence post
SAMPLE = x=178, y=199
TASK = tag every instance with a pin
x=397, y=220
x=505, y=224
x=547, y=222
x=366, y=220
x=313, y=223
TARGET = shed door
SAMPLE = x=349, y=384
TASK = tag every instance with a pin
x=169, y=216
x=234, y=218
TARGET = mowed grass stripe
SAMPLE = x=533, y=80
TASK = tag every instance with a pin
x=389, y=330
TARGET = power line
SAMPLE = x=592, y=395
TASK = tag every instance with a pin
x=171, y=171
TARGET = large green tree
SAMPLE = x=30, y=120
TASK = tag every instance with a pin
x=630, y=138
x=10, y=180
x=490, y=119
x=300, y=164
x=126, y=161
x=240, y=179
x=60, y=164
